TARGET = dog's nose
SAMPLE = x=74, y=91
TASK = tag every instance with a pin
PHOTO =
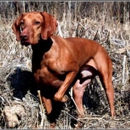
x=24, y=36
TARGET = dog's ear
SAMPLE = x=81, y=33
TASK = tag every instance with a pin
x=49, y=25
x=16, y=27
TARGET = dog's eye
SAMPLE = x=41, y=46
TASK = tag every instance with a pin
x=22, y=23
x=37, y=22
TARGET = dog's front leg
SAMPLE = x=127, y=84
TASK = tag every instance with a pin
x=48, y=106
x=59, y=96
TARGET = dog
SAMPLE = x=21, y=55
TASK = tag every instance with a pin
x=56, y=61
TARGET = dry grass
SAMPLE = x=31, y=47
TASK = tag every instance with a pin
x=98, y=24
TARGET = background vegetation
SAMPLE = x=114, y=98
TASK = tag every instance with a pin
x=106, y=22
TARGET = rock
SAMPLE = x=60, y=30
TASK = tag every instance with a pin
x=12, y=113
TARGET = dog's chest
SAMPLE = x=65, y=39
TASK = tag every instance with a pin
x=49, y=70
x=54, y=63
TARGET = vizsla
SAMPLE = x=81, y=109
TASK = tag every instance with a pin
x=56, y=61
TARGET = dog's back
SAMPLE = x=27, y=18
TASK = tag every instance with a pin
x=79, y=49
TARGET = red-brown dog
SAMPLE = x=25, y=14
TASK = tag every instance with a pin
x=56, y=60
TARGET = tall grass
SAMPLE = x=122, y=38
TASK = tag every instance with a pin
x=101, y=11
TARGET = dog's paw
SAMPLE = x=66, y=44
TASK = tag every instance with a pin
x=78, y=125
x=65, y=98
x=52, y=125
x=61, y=99
x=57, y=97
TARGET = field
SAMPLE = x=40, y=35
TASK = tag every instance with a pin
x=106, y=22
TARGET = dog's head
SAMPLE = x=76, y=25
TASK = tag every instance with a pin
x=29, y=27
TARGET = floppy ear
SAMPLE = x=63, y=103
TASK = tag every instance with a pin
x=16, y=28
x=49, y=25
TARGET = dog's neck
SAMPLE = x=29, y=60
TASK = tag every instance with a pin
x=42, y=45
x=39, y=50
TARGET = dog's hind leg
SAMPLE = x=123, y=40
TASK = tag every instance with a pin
x=86, y=74
x=107, y=84
x=106, y=79
x=78, y=90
